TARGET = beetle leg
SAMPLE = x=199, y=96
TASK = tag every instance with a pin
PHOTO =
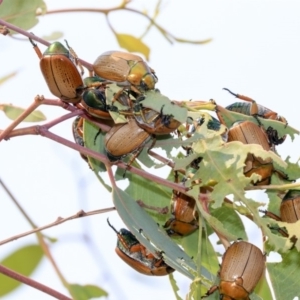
x=270, y=215
x=97, y=134
x=36, y=48
x=273, y=136
x=253, y=108
x=136, y=154
x=77, y=62
x=133, y=88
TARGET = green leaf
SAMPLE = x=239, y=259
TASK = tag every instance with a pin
x=24, y=261
x=230, y=220
x=133, y=44
x=85, y=292
x=90, y=131
x=22, y=13
x=158, y=102
x=150, y=193
x=174, y=286
x=263, y=289
x=13, y=112
x=152, y=236
x=285, y=275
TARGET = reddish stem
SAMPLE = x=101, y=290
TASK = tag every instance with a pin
x=41, y=287
x=40, y=40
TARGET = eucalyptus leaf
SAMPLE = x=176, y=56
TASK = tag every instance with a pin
x=13, y=112
x=24, y=260
x=22, y=13
x=152, y=236
x=85, y=292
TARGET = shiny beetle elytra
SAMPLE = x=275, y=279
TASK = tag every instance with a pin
x=60, y=72
x=249, y=133
x=185, y=216
x=242, y=267
x=289, y=208
x=77, y=129
x=124, y=139
x=126, y=69
x=93, y=98
x=251, y=108
x=131, y=251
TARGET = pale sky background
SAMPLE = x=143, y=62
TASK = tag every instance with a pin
x=255, y=51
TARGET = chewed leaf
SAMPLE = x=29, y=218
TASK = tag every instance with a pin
x=133, y=44
x=152, y=236
x=13, y=112
x=160, y=103
x=118, y=118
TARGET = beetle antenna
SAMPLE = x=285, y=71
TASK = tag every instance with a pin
x=235, y=95
x=114, y=229
x=32, y=42
x=67, y=44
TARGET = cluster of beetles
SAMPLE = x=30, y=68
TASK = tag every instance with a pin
x=117, y=93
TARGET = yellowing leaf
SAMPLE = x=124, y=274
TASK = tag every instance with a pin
x=133, y=44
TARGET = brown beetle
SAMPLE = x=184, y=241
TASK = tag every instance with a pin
x=249, y=133
x=242, y=267
x=77, y=129
x=256, y=110
x=60, y=72
x=289, y=208
x=126, y=69
x=185, y=216
x=253, y=109
x=124, y=139
x=131, y=251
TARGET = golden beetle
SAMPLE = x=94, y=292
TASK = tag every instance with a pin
x=126, y=138
x=126, y=69
x=251, y=108
x=60, y=72
x=289, y=209
x=185, y=216
x=131, y=251
x=242, y=267
x=249, y=133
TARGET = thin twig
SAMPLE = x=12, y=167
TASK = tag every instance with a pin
x=59, y=221
x=36, y=103
x=40, y=237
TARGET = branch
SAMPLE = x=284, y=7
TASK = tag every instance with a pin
x=26, y=280
x=59, y=221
